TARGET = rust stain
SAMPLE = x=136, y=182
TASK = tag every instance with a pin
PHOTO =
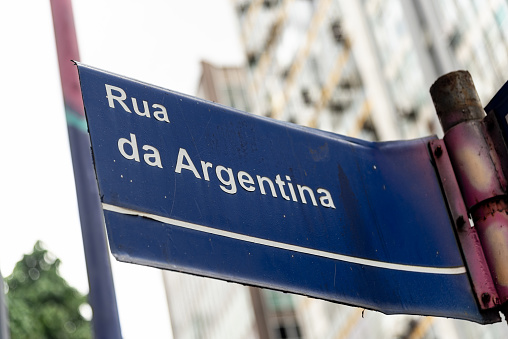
x=321, y=153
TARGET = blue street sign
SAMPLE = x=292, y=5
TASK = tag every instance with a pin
x=193, y=186
x=499, y=106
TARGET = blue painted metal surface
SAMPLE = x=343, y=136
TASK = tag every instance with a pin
x=499, y=105
x=380, y=236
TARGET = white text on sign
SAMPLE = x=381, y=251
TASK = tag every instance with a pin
x=226, y=175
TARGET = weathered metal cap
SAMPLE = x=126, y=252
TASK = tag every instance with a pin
x=455, y=99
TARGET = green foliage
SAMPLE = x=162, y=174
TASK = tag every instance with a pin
x=41, y=303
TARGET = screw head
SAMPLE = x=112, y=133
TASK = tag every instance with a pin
x=485, y=298
x=460, y=222
x=438, y=151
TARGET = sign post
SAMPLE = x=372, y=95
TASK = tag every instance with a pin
x=197, y=187
x=102, y=297
x=478, y=171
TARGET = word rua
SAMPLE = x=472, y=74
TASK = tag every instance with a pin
x=117, y=94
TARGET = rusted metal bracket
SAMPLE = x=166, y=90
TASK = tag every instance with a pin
x=496, y=136
x=479, y=174
x=467, y=236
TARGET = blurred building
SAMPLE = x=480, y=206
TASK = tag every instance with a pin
x=360, y=68
x=364, y=68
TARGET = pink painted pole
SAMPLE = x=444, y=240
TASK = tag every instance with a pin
x=478, y=170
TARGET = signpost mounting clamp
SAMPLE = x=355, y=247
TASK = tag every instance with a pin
x=479, y=175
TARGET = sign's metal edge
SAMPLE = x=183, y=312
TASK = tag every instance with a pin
x=290, y=247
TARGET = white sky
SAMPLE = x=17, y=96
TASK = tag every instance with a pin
x=155, y=41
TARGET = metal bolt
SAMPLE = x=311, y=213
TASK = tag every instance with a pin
x=438, y=151
x=460, y=222
x=485, y=298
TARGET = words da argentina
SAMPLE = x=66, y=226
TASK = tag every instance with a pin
x=228, y=179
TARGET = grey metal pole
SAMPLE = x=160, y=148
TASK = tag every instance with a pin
x=4, y=317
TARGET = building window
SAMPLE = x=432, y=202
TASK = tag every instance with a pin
x=455, y=39
x=287, y=329
x=270, y=3
x=306, y=96
x=252, y=59
x=338, y=33
x=280, y=315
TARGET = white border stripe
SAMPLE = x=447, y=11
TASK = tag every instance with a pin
x=270, y=243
